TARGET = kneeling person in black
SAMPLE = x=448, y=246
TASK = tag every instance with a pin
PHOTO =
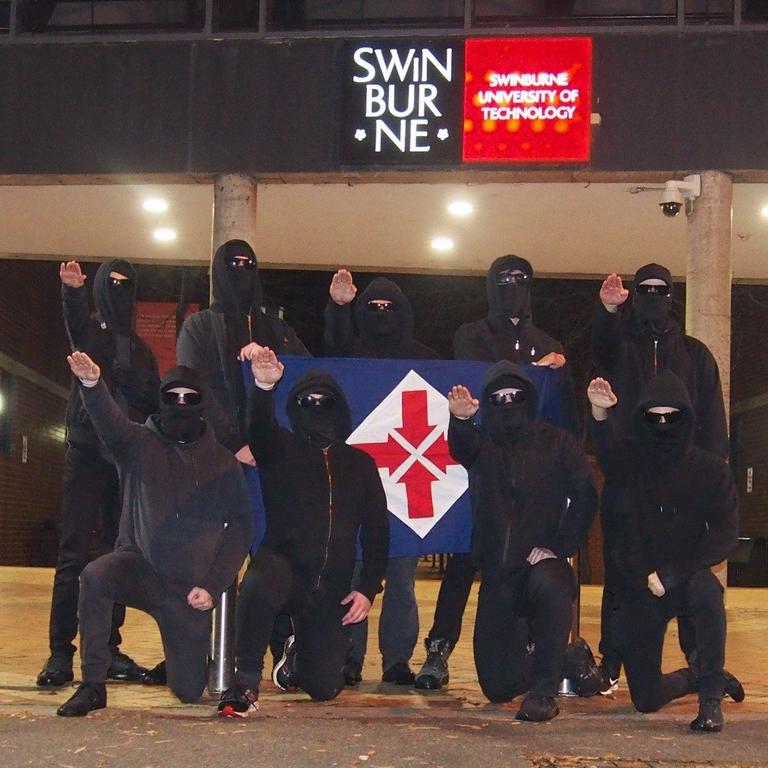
x=676, y=514
x=533, y=500
x=318, y=493
x=185, y=529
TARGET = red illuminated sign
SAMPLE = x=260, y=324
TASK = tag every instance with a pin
x=527, y=100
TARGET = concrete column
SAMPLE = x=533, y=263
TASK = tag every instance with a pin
x=708, y=279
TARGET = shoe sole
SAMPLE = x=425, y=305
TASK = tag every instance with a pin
x=611, y=689
x=50, y=684
x=230, y=712
x=430, y=683
x=276, y=671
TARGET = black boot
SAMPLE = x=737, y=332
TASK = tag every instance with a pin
x=353, y=672
x=399, y=674
x=87, y=697
x=434, y=674
x=537, y=708
x=710, y=717
x=123, y=667
x=56, y=671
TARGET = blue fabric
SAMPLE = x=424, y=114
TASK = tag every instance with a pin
x=366, y=383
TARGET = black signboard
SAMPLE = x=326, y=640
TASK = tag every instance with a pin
x=403, y=102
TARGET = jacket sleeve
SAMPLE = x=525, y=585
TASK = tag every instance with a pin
x=582, y=495
x=613, y=452
x=235, y=540
x=571, y=419
x=118, y=433
x=77, y=316
x=339, y=335
x=463, y=441
x=607, y=337
x=139, y=385
x=374, y=534
x=711, y=426
x=264, y=433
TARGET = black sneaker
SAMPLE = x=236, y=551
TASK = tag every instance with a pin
x=86, y=698
x=434, y=673
x=353, y=673
x=123, y=667
x=537, y=708
x=399, y=674
x=56, y=671
x=609, y=679
x=284, y=672
x=710, y=717
x=238, y=702
x=156, y=676
x=733, y=687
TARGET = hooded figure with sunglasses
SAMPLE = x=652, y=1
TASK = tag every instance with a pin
x=319, y=493
x=533, y=500
x=91, y=488
x=185, y=529
x=675, y=514
x=384, y=320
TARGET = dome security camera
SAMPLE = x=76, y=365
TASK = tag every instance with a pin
x=671, y=200
x=679, y=193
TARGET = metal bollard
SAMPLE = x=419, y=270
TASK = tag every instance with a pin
x=567, y=687
x=221, y=662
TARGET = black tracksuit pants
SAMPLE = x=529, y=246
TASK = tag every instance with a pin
x=90, y=518
x=126, y=577
x=640, y=624
x=272, y=586
x=452, y=598
x=534, y=603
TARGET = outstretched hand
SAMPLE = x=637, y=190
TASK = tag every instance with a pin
x=359, y=606
x=71, y=274
x=342, y=289
x=552, y=360
x=612, y=292
x=83, y=367
x=265, y=366
x=600, y=394
x=461, y=403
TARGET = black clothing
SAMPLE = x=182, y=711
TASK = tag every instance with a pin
x=386, y=335
x=452, y=598
x=513, y=608
x=317, y=499
x=210, y=341
x=520, y=488
x=181, y=417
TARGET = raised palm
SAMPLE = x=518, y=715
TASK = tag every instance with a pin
x=343, y=288
x=612, y=292
x=265, y=366
x=71, y=274
x=83, y=367
x=461, y=403
x=600, y=394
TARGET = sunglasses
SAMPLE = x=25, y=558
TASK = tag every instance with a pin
x=663, y=418
x=116, y=284
x=380, y=306
x=512, y=277
x=653, y=290
x=503, y=397
x=316, y=401
x=240, y=262
x=182, y=398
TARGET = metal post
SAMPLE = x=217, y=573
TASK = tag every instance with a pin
x=221, y=664
x=567, y=686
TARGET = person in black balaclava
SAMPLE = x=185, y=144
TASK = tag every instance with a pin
x=384, y=320
x=533, y=500
x=676, y=514
x=91, y=489
x=185, y=529
x=319, y=493
x=629, y=348
x=507, y=333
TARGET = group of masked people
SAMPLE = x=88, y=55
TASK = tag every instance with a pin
x=657, y=422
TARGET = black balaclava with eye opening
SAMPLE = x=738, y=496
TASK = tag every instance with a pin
x=182, y=423
x=652, y=311
x=512, y=299
x=321, y=427
x=114, y=298
x=513, y=421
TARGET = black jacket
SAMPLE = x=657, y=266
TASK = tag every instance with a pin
x=210, y=340
x=186, y=507
x=130, y=375
x=629, y=358
x=317, y=500
x=342, y=341
x=673, y=513
x=520, y=489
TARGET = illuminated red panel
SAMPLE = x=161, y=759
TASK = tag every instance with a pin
x=527, y=100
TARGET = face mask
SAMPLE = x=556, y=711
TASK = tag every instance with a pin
x=508, y=416
x=316, y=418
x=651, y=306
x=181, y=411
x=120, y=293
x=381, y=319
x=666, y=433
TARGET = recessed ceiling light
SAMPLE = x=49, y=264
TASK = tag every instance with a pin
x=442, y=244
x=155, y=205
x=460, y=208
x=764, y=211
x=164, y=234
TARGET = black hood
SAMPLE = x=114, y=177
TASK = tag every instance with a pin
x=392, y=329
x=318, y=426
x=181, y=423
x=664, y=444
x=512, y=300
x=235, y=291
x=115, y=307
x=652, y=313
x=510, y=422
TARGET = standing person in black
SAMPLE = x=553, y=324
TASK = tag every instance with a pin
x=533, y=500
x=184, y=531
x=384, y=319
x=676, y=514
x=319, y=493
x=91, y=488
x=629, y=348
x=507, y=333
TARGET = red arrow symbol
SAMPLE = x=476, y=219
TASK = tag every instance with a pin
x=418, y=488
x=415, y=427
x=389, y=455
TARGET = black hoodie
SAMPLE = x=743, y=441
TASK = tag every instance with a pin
x=385, y=335
x=674, y=508
x=520, y=484
x=318, y=499
x=127, y=364
x=628, y=353
x=210, y=341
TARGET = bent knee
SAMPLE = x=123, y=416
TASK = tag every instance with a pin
x=646, y=703
x=188, y=694
x=323, y=691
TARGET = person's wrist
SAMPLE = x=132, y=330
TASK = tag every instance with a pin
x=599, y=413
x=88, y=383
x=612, y=308
x=266, y=386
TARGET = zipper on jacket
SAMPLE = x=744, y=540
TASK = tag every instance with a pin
x=250, y=330
x=330, y=516
x=655, y=356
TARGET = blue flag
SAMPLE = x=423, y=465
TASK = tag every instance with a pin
x=400, y=415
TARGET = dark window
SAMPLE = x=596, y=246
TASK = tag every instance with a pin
x=6, y=410
x=500, y=12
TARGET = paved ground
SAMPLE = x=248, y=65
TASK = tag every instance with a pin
x=378, y=725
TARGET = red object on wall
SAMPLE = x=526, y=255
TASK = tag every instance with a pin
x=156, y=324
x=527, y=100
